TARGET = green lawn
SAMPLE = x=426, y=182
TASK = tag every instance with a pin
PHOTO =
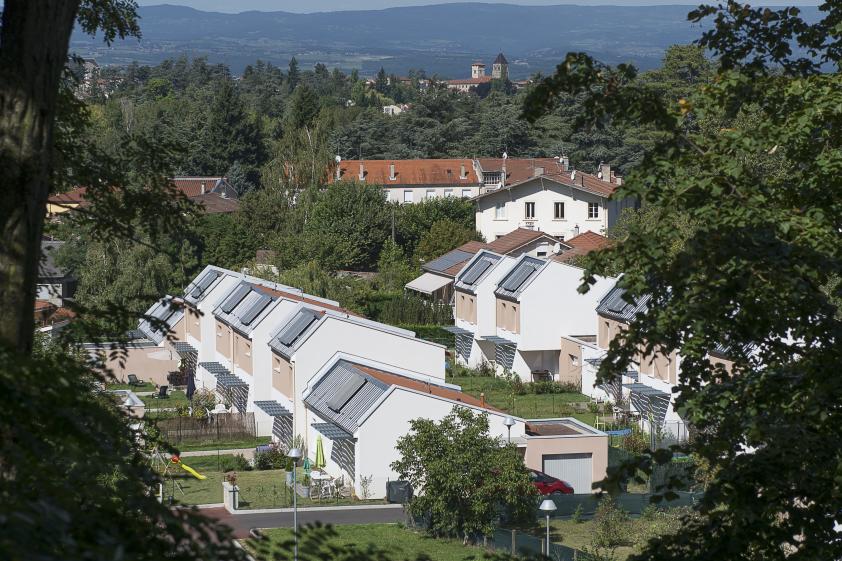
x=176, y=398
x=534, y=406
x=398, y=542
x=258, y=489
x=637, y=531
x=145, y=387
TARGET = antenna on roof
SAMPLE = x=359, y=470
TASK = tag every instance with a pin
x=505, y=155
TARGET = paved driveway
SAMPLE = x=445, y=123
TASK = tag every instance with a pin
x=241, y=523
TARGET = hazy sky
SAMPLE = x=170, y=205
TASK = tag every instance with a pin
x=234, y=6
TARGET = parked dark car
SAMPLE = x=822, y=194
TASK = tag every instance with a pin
x=547, y=485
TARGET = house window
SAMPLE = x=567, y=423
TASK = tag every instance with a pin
x=529, y=210
x=431, y=193
x=558, y=211
x=407, y=196
x=448, y=192
x=593, y=210
x=500, y=211
x=466, y=193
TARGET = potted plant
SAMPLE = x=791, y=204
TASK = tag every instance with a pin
x=304, y=487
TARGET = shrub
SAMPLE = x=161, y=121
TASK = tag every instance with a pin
x=236, y=463
x=551, y=387
x=273, y=458
x=611, y=525
x=636, y=442
x=577, y=514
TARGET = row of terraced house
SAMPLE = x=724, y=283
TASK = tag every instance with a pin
x=305, y=366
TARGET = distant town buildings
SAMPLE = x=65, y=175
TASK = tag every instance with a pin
x=499, y=71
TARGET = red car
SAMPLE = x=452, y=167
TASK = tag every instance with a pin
x=547, y=485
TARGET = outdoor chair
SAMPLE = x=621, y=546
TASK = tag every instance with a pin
x=162, y=392
x=134, y=381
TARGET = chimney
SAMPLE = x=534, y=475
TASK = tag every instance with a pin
x=538, y=171
x=618, y=180
x=338, y=171
x=482, y=399
x=203, y=188
x=565, y=163
x=392, y=172
x=605, y=171
x=362, y=172
x=463, y=173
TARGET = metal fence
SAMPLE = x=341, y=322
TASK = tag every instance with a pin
x=218, y=428
x=632, y=503
x=520, y=544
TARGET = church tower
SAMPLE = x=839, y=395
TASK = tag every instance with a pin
x=500, y=68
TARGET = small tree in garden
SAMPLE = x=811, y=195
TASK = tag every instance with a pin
x=464, y=478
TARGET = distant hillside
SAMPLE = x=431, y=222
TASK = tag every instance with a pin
x=441, y=39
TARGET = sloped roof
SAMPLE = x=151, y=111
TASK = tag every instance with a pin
x=521, y=169
x=513, y=283
x=288, y=336
x=501, y=59
x=192, y=186
x=393, y=379
x=615, y=305
x=582, y=245
x=517, y=239
x=213, y=203
x=469, y=81
x=244, y=304
x=447, y=262
x=519, y=172
x=433, y=172
x=478, y=268
x=168, y=311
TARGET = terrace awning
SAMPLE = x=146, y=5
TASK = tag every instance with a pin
x=457, y=330
x=223, y=376
x=649, y=400
x=273, y=408
x=184, y=350
x=333, y=431
x=498, y=340
x=428, y=283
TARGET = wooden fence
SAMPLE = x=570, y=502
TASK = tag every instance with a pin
x=229, y=426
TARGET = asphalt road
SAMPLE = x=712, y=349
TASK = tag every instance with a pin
x=242, y=523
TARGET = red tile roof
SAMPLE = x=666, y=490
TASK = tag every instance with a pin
x=582, y=245
x=520, y=170
x=517, y=239
x=190, y=186
x=469, y=81
x=418, y=385
x=411, y=172
x=305, y=299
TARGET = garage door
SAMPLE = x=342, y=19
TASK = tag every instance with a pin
x=575, y=469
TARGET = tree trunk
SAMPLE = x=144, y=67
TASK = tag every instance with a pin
x=33, y=51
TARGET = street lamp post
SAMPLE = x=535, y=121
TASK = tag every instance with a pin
x=295, y=455
x=509, y=422
x=548, y=506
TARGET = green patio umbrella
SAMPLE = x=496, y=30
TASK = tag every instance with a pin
x=320, y=453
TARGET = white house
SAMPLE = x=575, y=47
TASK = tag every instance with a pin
x=535, y=302
x=563, y=203
x=308, y=337
x=361, y=408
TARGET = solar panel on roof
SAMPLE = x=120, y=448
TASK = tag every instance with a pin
x=235, y=298
x=518, y=278
x=448, y=260
x=294, y=330
x=204, y=283
x=476, y=271
x=255, y=309
x=617, y=304
x=345, y=393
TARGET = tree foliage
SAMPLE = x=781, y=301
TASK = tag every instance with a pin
x=462, y=476
x=751, y=159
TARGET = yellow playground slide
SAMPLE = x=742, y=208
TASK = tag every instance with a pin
x=188, y=469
